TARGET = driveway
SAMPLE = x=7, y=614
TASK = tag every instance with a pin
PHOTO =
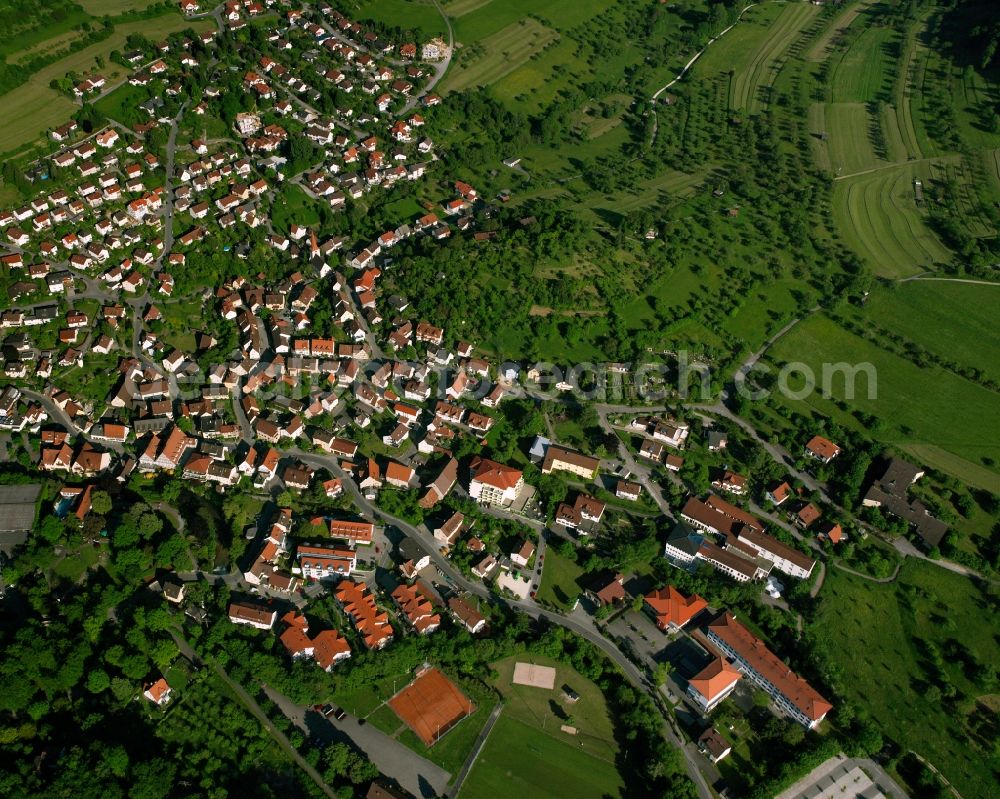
x=414, y=773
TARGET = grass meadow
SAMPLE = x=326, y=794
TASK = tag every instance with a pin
x=957, y=321
x=878, y=217
x=920, y=407
x=31, y=109
x=877, y=638
x=405, y=14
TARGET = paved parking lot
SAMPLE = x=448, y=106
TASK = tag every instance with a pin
x=643, y=636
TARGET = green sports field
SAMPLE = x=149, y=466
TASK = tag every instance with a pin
x=526, y=753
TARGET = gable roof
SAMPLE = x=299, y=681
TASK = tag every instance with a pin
x=764, y=662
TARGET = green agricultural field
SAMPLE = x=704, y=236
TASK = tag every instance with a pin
x=502, y=53
x=878, y=218
x=991, y=164
x=459, y=8
x=32, y=109
x=658, y=191
x=816, y=121
x=535, y=82
x=826, y=43
x=864, y=73
x=112, y=8
x=764, y=313
x=489, y=18
x=849, y=140
x=28, y=38
x=879, y=636
x=916, y=406
x=957, y=321
x=902, y=94
x=755, y=51
x=405, y=14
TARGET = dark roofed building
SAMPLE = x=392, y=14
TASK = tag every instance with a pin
x=714, y=746
x=382, y=790
x=890, y=493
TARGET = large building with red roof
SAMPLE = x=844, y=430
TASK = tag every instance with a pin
x=493, y=483
x=766, y=670
x=713, y=684
x=670, y=609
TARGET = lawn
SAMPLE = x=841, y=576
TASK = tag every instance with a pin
x=366, y=699
x=293, y=206
x=559, y=576
x=918, y=406
x=878, y=635
x=73, y=565
x=878, y=217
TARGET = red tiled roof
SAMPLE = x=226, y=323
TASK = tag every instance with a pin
x=765, y=663
x=495, y=474
x=714, y=679
x=672, y=607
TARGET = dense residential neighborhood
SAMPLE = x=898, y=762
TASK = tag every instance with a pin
x=296, y=493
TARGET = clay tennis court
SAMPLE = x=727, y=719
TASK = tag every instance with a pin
x=534, y=676
x=431, y=705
